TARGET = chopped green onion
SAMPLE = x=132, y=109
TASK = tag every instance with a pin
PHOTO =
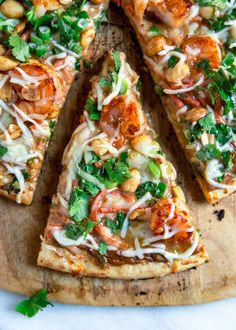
x=44, y=33
x=35, y=39
x=155, y=169
x=41, y=50
x=95, y=115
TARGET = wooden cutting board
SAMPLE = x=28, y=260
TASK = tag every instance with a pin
x=20, y=226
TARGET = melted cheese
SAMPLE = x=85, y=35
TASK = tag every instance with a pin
x=213, y=171
x=136, y=205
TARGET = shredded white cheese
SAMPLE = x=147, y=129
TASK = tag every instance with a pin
x=184, y=90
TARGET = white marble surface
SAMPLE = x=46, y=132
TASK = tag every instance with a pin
x=215, y=316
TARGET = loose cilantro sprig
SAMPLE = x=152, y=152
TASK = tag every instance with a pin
x=34, y=304
x=20, y=48
x=78, y=204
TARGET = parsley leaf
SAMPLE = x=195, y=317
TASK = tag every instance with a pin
x=205, y=65
x=117, y=60
x=156, y=190
x=78, y=204
x=34, y=304
x=3, y=150
x=227, y=160
x=207, y=152
x=20, y=48
x=103, y=248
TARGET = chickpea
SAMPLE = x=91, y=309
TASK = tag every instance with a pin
x=178, y=192
x=170, y=170
x=2, y=50
x=98, y=148
x=65, y=2
x=14, y=132
x=6, y=92
x=131, y=184
x=155, y=45
x=177, y=73
x=206, y=12
x=195, y=114
x=233, y=32
x=96, y=2
x=86, y=37
x=12, y=9
x=7, y=64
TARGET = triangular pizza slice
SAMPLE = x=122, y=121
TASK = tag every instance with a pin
x=188, y=47
x=118, y=211
x=41, y=47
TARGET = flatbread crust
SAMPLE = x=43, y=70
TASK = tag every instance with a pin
x=61, y=259
x=212, y=194
x=72, y=258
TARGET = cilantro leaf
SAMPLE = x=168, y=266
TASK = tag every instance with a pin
x=76, y=230
x=156, y=190
x=172, y=61
x=20, y=48
x=117, y=224
x=214, y=3
x=207, y=152
x=207, y=122
x=3, y=150
x=116, y=170
x=227, y=160
x=103, y=248
x=205, y=65
x=117, y=60
x=104, y=82
x=34, y=304
x=78, y=204
x=89, y=187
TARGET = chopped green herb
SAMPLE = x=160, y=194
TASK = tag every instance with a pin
x=89, y=187
x=3, y=150
x=76, y=230
x=104, y=82
x=34, y=304
x=172, y=61
x=139, y=86
x=92, y=107
x=214, y=3
x=154, y=31
x=20, y=48
x=207, y=122
x=116, y=170
x=154, y=168
x=117, y=60
x=207, y=152
x=205, y=65
x=103, y=248
x=78, y=204
x=124, y=156
x=156, y=190
x=117, y=224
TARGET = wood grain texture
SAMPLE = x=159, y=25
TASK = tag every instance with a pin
x=20, y=226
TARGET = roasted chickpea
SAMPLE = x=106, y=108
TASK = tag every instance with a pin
x=65, y=2
x=131, y=184
x=206, y=12
x=155, y=45
x=177, y=73
x=12, y=9
x=98, y=146
x=195, y=114
x=87, y=37
x=7, y=64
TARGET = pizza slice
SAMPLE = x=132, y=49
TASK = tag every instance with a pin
x=118, y=211
x=47, y=42
x=188, y=47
